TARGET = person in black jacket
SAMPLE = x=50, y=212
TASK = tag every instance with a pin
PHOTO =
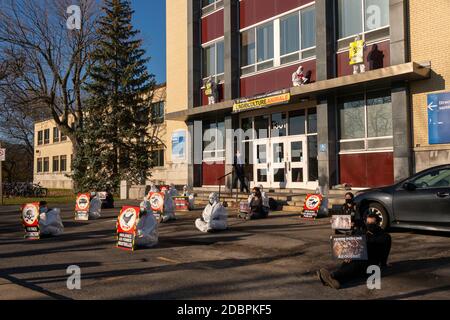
x=378, y=249
x=239, y=172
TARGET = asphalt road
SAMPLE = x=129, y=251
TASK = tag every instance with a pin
x=273, y=258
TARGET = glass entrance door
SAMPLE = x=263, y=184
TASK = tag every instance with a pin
x=278, y=165
x=297, y=165
x=261, y=163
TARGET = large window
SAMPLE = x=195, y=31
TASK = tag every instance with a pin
x=55, y=165
x=213, y=61
x=157, y=112
x=55, y=134
x=46, y=136
x=39, y=165
x=63, y=163
x=213, y=140
x=158, y=158
x=361, y=17
x=366, y=121
x=63, y=137
x=284, y=40
x=46, y=165
x=40, y=137
x=209, y=6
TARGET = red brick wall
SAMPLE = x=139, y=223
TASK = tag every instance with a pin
x=254, y=11
x=212, y=26
x=367, y=169
x=345, y=69
x=211, y=172
x=274, y=80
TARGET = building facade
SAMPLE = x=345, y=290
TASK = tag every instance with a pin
x=365, y=128
x=54, y=152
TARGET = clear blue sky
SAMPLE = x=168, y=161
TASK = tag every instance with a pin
x=150, y=18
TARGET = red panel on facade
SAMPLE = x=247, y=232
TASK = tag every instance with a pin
x=211, y=172
x=367, y=169
x=274, y=80
x=254, y=11
x=345, y=69
x=212, y=26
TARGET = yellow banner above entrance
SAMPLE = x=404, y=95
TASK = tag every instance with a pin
x=262, y=101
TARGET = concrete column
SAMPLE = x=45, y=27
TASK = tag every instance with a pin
x=231, y=123
x=326, y=109
x=190, y=152
x=231, y=49
x=194, y=52
x=124, y=189
x=401, y=111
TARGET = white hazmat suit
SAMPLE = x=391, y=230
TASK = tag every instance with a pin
x=147, y=227
x=95, y=207
x=50, y=222
x=214, y=216
x=169, y=204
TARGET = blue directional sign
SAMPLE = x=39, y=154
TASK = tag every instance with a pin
x=438, y=106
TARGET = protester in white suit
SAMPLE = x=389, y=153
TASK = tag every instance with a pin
x=95, y=207
x=214, y=216
x=169, y=204
x=147, y=226
x=50, y=222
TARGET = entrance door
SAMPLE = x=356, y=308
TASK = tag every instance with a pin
x=278, y=166
x=297, y=166
x=261, y=163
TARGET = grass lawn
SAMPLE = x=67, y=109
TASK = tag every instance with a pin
x=54, y=196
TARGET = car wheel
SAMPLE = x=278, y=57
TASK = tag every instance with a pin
x=380, y=211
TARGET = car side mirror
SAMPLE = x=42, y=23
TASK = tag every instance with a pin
x=409, y=186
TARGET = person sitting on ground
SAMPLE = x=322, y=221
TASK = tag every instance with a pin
x=50, y=222
x=95, y=206
x=257, y=208
x=214, y=216
x=190, y=196
x=169, y=206
x=349, y=208
x=108, y=202
x=147, y=227
x=378, y=249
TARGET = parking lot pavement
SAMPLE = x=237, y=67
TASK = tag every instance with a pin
x=273, y=258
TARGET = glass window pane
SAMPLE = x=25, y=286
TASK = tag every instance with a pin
x=351, y=114
x=296, y=151
x=350, y=17
x=289, y=34
x=221, y=137
x=261, y=153
x=278, y=152
x=279, y=175
x=278, y=125
x=262, y=175
x=313, y=163
x=261, y=127
x=220, y=58
x=297, y=174
x=248, y=49
x=379, y=115
x=207, y=2
x=296, y=122
x=264, y=35
x=247, y=128
x=377, y=14
x=208, y=61
x=308, y=27
x=312, y=120
x=434, y=179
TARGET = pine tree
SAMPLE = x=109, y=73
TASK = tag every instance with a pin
x=120, y=91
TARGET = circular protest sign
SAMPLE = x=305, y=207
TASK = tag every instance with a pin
x=156, y=201
x=83, y=202
x=127, y=219
x=30, y=214
x=313, y=202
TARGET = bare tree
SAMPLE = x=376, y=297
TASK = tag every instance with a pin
x=46, y=61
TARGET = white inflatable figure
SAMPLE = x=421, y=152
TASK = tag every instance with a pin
x=298, y=78
x=190, y=196
x=95, y=207
x=169, y=205
x=147, y=227
x=214, y=216
x=50, y=222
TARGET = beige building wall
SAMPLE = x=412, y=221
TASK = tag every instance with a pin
x=51, y=179
x=177, y=89
x=430, y=36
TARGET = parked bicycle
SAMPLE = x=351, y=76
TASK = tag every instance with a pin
x=24, y=189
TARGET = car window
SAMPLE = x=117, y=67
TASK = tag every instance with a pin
x=435, y=179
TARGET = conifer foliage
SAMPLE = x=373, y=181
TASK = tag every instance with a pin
x=116, y=140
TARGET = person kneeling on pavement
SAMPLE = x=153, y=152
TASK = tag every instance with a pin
x=50, y=222
x=378, y=248
x=95, y=206
x=214, y=216
x=147, y=227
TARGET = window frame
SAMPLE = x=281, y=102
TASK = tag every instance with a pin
x=212, y=7
x=252, y=69
x=55, y=168
x=216, y=149
x=366, y=139
x=40, y=137
x=61, y=167
x=47, y=140
x=161, y=117
x=46, y=160
x=217, y=77
x=364, y=33
x=57, y=135
x=160, y=152
x=39, y=165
